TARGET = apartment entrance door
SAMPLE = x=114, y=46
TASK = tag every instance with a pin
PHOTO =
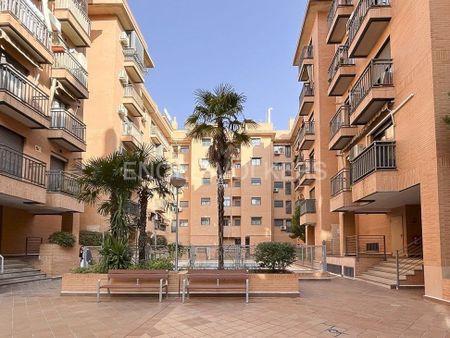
x=397, y=233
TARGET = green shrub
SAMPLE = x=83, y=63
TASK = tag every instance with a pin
x=63, y=239
x=155, y=264
x=171, y=249
x=160, y=240
x=91, y=269
x=115, y=254
x=274, y=255
x=90, y=238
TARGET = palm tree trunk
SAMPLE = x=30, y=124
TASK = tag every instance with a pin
x=144, y=195
x=220, y=202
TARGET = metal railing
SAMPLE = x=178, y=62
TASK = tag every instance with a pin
x=131, y=91
x=365, y=245
x=380, y=155
x=157, y=133
x=360, y=13
x=307, y=90
x=333, y=9
x=30, y=17
x=63, y=182
x=379, y=73
x=306, y=129
x=17, y=85
x=312, y=256
x=20, y=166
x=408, y=259
x=341, y=182
x=32, y=245
x=307, y=53
x=307, y=207
x=68, y=61
x=132, y=208
x=307, y=167
x=333, y=247
x=130, y=129
x=131, y=54
x=340, y=120
x=62, y=119
x=78, y=8
x=2, y=264
x=340, y=59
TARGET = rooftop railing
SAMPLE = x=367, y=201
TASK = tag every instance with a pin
x=340, y=59
x=333, y=9
x=62, y=119
x=341, y=182
x=63, y=182
x=68, y=61
x=78, y=8
x=340, y=120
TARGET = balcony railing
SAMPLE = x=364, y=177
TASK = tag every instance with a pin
x=379, y=73
x=30, y=17
x=68, y=61
x=131, y=91
x=131, y=54
x=78, y=8
x=22, y=89
x=63, y=182
x=132, y=208
x=20, y=166
x=130, y=129
x=306, y=129
x=380, y=155
x=341, y=182
x=307, y=207
x=340, y=120
x=333, y=9
x=307, y=168
x=62, y=119
x=340, y=59
x=307, y=53
x=307, y=90
x=360, y=13
x=155, y=131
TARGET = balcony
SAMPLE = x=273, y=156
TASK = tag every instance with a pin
x=306, y=59
x=306, y=99
x=134, y=65
x=132, y=137
x=69, y=71
x=341, y=131
x=341, y=195
x=158, y=137
x=307, y=211
x=22, y=178
x=307, y=173
x=25, y=24
x=133, y=101
x=67, y=131
x=132, y=208
x=338, y=16
x=372, y=90
x=75, y=22
x=370, y=18
x=341, y=72
x=21, y=99
x=306, y=136
x=63, y=189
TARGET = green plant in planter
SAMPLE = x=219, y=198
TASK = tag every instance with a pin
x=171, y=249
x=156, y=264
x=275, y=256
x=116, y=254
x=63, y=239
x=90, y=238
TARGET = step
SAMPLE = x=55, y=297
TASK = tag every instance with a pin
x=385, y=275
x=393, y=259
x=377, y=279
x=390, y=270
x=10, y=281
x=417, y=266
x=369, y=281
x=16, y=266
x=18, y=274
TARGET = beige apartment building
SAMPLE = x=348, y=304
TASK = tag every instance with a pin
x=375, y=84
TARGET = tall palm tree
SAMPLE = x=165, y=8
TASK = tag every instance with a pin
x=219, y=115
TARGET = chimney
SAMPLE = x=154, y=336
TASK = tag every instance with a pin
x=269, y=115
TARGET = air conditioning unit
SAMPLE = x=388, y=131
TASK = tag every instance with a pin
x=124, y=39
x=122, y=111
x=283, y=228
x=123, y=77
x=355, y=151
x=203, y=166
x=276, y=190
x=277, y=152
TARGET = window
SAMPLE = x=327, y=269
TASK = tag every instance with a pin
x=288, y=223
x=256, y=180
x=288, y=151
x=278, y=185
x=173, y=226
x=204, y=163
x=226, y=183
x=175, y=152
x=255, y=141
x=278, y=150
x=206, y=142
x=184, y=204
x=256, y=200
x=237, y=221
x=278, y=166
x=256, y=161
x=205, y=221
x=288, y=207
x=184, y=223
x=278, y=222
x=312, y=193
x=278, y=204
x=226, y=221
x=256, y=220
x=236, y=201
x=227, y=202
x=205, y=201
x=288, y=188
x=183, y=168
x=237, y=165
x=288, y=169
x=206, y=181
x=184, y=149
x=237, y=183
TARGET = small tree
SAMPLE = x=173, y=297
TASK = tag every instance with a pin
x=297, y=230
x=275, y=255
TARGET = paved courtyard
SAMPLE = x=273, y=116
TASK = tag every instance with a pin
x=340, y=308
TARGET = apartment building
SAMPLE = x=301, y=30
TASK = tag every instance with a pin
x=385, y=65
x=43, y=84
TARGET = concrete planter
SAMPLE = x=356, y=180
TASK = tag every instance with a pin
x=260, y=283
x=56, y=261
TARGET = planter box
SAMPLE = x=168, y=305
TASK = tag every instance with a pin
x=55, y=260
x=260, y=284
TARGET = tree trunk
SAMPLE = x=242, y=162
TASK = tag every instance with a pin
x=220, y=202
x=144, y=195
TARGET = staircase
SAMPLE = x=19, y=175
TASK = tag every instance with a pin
x=18, y=270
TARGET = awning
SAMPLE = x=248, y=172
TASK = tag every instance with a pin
x=6, y=43
x=61, y=90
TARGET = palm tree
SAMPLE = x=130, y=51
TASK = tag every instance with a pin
x=219, y=115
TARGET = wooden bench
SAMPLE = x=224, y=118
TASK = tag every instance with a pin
x=136, y=280
x=215, y=280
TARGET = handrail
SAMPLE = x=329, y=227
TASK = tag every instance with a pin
x=340, y=120
x=67, y=60
x=79, y=11
x=405, y=264
x=333, y=9
x=2, y=264
x=62, y=119
x=340, y=59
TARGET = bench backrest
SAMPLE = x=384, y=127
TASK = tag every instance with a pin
x=214, y=275
x=151, y=275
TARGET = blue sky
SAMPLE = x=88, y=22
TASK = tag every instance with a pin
x=202, y=43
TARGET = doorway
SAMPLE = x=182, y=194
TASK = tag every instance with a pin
x=397, y=233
